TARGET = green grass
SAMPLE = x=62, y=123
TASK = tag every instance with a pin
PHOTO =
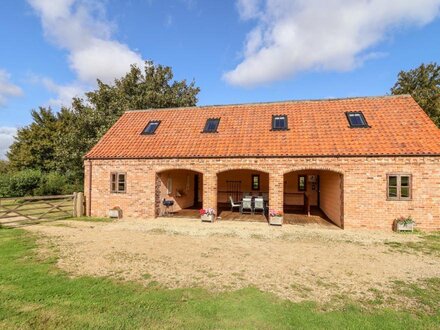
x=429, y=244
x=35, y=295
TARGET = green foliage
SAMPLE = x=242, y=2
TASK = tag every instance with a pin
x=4, y=167
x=34, y=295
x=32, y=182
x=423, y=83
x=23, y=183
x=4, y=185
x=52, y=183
x=59, y=141
x=34, y=146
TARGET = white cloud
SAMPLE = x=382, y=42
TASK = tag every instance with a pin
x=80, y=27
x=6, y=138
x=7, y=88
x=64, y=93
x=336, y=35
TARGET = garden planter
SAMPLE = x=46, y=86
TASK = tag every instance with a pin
x=115, y=213
x=276, y=221
x=404, y=226
x=207, y=218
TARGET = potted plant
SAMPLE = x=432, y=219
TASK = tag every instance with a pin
x=207, y=215
x=275, y=217
x=404, y=224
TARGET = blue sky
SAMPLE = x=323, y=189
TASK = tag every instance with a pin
x=236, y=50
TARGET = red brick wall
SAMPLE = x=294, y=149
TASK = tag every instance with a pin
x=364, y=185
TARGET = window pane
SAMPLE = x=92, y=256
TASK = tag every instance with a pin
x=151, y=127
x=404, y=192
x=113, y=182
x=121, y=177
x=404, y=181
x=211, y=125
x=279, y=122
x=302, y=183
x=255, y=182
x=356, y=119
x=392, y=181
x=392, y=192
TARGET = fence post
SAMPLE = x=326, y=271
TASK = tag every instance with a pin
x=79, y=204
x=74, y=213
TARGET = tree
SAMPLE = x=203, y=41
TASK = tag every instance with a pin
x=34, y=145
x=4, y=166
x=423, y=84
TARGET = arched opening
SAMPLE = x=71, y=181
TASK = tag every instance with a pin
x=314, y=196
x=179, y=192
x=234, y=189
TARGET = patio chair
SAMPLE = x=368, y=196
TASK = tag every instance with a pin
x=247, y=205
x=234, y=205
x=259, y=205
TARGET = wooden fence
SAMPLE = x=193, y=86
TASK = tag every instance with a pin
x=22, y=210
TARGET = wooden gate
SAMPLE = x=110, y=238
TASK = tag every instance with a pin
x=22, y=210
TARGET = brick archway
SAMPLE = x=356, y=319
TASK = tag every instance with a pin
x=235, y=183
x=314, y=191
x=182, y=186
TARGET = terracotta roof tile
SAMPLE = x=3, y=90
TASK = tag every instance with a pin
x=316, y=128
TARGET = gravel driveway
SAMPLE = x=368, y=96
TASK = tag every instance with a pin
x=293, y=262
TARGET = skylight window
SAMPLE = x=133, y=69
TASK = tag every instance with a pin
x=279, y=123
x=211, y=125
x=151, y=127
x=356, y=119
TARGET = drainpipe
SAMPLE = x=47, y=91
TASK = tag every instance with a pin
x=89, y=200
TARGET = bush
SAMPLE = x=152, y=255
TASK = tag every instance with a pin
x=35, y=183
x=4, y=185
x=24, y=183
x=52, y=183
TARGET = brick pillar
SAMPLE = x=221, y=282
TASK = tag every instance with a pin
x=276, y=191
x=210, y=191
x=157, y=195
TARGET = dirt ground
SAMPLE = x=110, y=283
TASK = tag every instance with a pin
x=294, y=262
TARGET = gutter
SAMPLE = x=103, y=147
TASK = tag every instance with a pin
x=261, y=156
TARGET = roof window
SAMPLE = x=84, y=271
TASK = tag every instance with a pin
x=356, y=119
x=151, y=127
x=211, y=125
x=279, y=123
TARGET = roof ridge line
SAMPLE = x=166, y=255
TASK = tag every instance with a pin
x=273, y=102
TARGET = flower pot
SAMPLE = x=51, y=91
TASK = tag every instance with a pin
x=405, y=226
x=207, y=217
x=276, y=221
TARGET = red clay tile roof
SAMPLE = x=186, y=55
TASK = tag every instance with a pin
x=398, y=126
